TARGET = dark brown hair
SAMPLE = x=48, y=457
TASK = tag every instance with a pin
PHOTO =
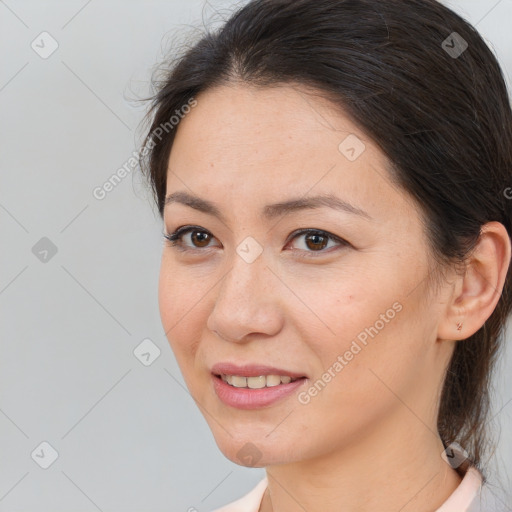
x=437, y=109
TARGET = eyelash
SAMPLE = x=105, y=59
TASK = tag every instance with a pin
x=175, y=239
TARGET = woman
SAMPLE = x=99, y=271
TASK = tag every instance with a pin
x=332, y=177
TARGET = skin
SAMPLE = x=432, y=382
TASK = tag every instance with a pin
x=368, y=440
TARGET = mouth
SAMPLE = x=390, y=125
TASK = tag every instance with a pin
x=252, y=386
x=257, y=382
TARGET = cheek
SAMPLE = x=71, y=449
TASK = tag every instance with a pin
x=364, y=328
x=356, y=384
x=339, y=305
x=179, y=305
x=167, y=288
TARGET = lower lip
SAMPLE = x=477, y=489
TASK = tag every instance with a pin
x=246, y=398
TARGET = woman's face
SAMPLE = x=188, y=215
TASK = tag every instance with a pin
x=349, y=313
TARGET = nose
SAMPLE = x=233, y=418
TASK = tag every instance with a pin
x=247, y=302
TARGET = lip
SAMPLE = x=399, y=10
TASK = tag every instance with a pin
x=252, y=370
x=246, y=398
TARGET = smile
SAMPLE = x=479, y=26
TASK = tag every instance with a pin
x=255, y=392
x=258, y=382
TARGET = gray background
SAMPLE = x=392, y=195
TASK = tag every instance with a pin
x=128, y=436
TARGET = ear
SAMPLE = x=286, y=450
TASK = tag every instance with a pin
x=477, y=291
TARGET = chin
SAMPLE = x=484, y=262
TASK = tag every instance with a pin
x=253, y=450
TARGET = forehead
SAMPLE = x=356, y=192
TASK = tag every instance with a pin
x=282, y=120
x=247, y=142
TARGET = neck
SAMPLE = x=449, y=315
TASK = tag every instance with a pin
x=394, y=470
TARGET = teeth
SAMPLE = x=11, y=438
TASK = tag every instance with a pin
x=256, y=382
x=273, y=380
x=239, y=382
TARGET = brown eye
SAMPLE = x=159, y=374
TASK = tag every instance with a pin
x=200, y=238
x=186, y=238
x=316, y=242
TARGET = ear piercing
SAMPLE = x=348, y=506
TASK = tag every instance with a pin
x=459, y=326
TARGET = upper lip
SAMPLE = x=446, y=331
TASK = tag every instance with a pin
x=251, y=370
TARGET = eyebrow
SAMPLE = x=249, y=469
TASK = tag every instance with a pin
x=270, y=211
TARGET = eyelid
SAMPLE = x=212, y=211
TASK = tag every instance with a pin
x=174, y=239
x=330, y=236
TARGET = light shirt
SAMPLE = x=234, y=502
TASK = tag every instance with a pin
x=470, y=496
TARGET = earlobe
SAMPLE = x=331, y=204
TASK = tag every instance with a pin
x=478, y=291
